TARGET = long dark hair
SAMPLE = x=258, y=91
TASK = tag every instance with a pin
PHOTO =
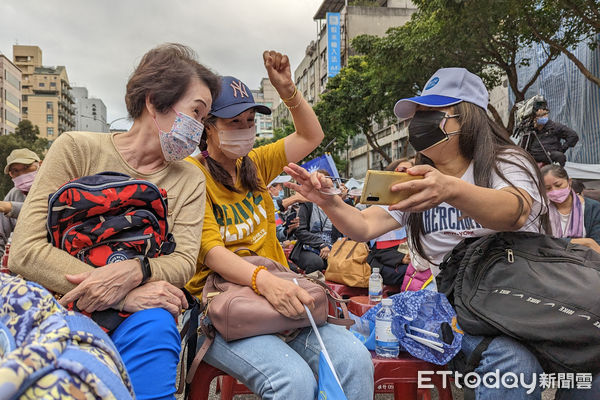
x=482, y=141
x=248, y=172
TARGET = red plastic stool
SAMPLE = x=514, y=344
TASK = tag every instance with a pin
x=230, y=387
x=346, y=291
x=358, y=305
x=200, y=386
x=227, y=385
x=403, y=372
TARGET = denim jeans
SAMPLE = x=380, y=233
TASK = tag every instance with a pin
x=507, y=355
x=277, y=370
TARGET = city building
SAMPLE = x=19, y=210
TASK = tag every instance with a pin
x=10, y=96
x=90, y=113
x=268, y=96
x=356, y=18
x=46, y=93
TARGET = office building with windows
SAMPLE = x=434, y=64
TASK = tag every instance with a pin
x=10, y=96
x=46, y=93
x=90, y=113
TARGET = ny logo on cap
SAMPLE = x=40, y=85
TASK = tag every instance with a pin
x=238, y=86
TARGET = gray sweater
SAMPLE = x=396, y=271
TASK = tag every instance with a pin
x=8, y=221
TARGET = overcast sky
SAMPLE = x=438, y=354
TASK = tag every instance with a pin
x=101, y=41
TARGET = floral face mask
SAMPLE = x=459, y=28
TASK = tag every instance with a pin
x=182, y=139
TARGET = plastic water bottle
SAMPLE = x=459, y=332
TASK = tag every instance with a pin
x=386, y=343
x=375, y=287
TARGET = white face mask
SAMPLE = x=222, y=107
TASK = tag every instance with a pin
x=238, y=142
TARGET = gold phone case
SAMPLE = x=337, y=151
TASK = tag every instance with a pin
x=376, y=189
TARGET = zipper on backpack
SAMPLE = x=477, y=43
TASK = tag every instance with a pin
x=134, y=238
x=130, y=181
x=510, y=255
x=549, y=259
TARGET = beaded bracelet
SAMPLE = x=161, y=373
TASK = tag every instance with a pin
x=292, y=96
x=254, y=274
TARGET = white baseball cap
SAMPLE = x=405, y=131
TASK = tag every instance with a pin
x=448, y=86
x=280, y=179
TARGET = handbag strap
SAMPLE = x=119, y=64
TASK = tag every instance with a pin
x=352, y=250
x=209, y=332
x=334, y=299
x=341, y=245
x=252, y=252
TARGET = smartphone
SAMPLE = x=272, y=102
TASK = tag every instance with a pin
x=376, y=189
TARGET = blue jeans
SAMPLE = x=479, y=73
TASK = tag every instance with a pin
x=277, y=370
x=505, y=355
x=149, y=344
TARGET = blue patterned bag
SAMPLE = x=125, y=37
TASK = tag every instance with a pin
x=425, y=325
x=48, y=352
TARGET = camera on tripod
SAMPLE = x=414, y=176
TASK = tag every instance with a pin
x=525, y=118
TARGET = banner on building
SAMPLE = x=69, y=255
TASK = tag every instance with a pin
x=333, y=44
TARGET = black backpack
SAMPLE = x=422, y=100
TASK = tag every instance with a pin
x=540, y=290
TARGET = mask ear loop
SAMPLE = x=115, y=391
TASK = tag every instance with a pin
x=443, y=124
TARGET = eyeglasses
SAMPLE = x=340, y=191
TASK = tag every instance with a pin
x=21, y=170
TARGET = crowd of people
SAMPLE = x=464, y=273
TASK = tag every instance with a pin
x=193, y=134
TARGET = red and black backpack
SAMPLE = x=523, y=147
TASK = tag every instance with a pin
x=106, y=218
x=109, y=217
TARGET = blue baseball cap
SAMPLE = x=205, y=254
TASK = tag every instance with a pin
x=448, y=86
x=234, y=99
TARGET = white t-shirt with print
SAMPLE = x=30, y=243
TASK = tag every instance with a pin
x=445, y=226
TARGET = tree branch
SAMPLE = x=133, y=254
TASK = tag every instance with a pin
x=581, y=14
x=372, y=140
x=553, y=43
x=497, y=116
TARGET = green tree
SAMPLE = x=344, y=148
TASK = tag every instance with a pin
x=564, y=24
x=278, y=133
x=484, y=36
x=27, y=131
x=25, y=136
x=351, y=105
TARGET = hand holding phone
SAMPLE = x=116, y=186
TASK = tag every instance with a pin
x=376, y=189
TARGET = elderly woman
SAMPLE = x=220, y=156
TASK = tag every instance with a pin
x=167, y=87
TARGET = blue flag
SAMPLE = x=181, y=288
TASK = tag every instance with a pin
x=322, y=162
x=329, y=387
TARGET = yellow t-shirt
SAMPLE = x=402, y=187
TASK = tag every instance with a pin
x=244, y=220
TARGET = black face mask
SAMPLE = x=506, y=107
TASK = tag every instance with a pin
x=424, y=130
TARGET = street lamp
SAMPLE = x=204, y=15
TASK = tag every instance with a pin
x=115, y=120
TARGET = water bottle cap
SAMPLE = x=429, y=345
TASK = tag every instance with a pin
x=387, y=302
x=375, y=270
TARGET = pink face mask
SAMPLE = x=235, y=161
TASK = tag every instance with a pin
x=24, y=182
x=559, y=195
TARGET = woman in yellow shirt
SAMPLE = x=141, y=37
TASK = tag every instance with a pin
x=239, y=213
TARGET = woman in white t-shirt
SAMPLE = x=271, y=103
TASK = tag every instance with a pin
x=476, y=182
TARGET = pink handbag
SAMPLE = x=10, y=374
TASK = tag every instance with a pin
x=236, y=312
